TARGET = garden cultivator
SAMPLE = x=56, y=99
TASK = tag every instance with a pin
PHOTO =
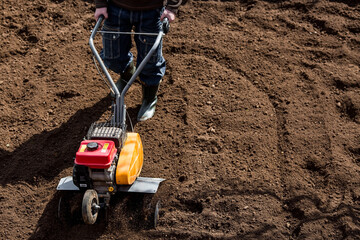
x=110, y=159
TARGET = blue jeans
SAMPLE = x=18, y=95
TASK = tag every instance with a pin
x=116, y=47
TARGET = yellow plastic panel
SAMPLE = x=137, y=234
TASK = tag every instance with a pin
x=130, y=160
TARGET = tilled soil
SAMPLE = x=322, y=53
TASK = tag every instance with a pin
x=256, y=130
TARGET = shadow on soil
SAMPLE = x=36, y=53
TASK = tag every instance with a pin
x=46, y=154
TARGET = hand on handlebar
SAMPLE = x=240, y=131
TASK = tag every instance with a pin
x=99, y=12
x=168, y=14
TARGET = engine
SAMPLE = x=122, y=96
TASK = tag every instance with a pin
x=95, y=166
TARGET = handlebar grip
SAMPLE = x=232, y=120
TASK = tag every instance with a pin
x=101, y=17
x=166, y=25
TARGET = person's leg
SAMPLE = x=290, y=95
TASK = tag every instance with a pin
x=154, y=70
x=116, y=47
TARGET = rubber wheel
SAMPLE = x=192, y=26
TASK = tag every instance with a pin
x=90, y=206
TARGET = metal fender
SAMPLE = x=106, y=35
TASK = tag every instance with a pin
x=130, y=160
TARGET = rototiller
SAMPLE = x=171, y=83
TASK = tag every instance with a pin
x=110, y=159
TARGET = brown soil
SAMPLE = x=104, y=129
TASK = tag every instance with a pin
x=256, y=130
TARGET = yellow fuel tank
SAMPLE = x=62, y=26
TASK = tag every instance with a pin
x=130, y=160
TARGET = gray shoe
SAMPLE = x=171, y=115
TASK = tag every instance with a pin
x=147, y=109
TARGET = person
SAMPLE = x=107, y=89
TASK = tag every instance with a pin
x=145, y=16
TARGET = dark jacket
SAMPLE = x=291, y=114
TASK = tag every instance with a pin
x=138, y=5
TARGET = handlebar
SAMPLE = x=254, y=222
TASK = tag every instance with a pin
x=119, y=109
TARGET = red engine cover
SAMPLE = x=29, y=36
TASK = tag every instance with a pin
x=96, y=153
